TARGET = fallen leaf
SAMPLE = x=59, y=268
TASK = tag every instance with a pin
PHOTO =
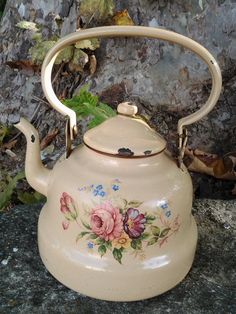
x=28, y=25
x=9, y=145
x=92, y=64
x=23, y=65
x=10, y=153
x=65, y=55
x=114, y=94
x=123, y=18
x=79, y=60
x=48, y=139
x=211, y=164
x=97, y=9
x=91, y=44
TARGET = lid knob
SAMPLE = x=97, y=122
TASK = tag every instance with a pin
x=127, y=108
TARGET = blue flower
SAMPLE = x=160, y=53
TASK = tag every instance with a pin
x=99, y=187
x=95, y=192
x=101, y=193
x=90, y=245
x=115, y=187
x=168, y=213
x=164, y=205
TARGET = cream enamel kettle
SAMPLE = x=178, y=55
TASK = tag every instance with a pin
x=117, y=224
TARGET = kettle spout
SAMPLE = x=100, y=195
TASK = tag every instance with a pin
x=36, y=174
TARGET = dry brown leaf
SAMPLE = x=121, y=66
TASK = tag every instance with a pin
x=211, y=164
x=92, y=64
x=23, y=65
x=9, y=145
x=48, y=138
x=123, y=18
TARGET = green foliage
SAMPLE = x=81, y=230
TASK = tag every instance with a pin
x=72, y=54
x=88, y=105
x=2, y=6
x=39, y=51
x=6, y=194
x=98, y=9
x=4, y=131
x=30, y=198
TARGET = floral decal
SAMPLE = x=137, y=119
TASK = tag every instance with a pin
x=117, y=225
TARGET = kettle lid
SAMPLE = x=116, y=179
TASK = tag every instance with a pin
x=125, y=135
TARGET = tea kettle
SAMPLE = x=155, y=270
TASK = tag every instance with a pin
x=117, y=224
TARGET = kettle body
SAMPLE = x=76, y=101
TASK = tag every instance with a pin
x=118, y=229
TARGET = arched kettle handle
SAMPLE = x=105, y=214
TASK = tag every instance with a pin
x=128, y=31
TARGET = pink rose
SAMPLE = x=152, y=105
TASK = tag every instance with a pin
x=106, y=221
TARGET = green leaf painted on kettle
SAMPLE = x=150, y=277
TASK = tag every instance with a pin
x=150, y=219
x=152, y=241
x=87, y=226
x=81, y=235
x=117, y=253
x=108, y=244
x=102, y=250
x=145, y=235
x=155, y=230
x=92, y=236
x=136, y=244
x=100, y=241
x=135, y=203
x=164, y=232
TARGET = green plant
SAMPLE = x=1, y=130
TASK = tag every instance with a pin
x=85, y=104
x=2, y=6
x=8, y=189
